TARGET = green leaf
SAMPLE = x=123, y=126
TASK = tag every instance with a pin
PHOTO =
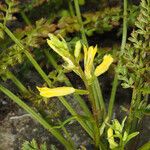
x=117, y=126
x=131, y=136
x=33, y=145
x=122, y=124
x=81, y=92
x=43, y=146
x=145, y=90
x=125, y=136
x=125, y=85
x=69, y=120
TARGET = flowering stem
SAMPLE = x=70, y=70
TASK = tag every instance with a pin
x=97, y=92
x=76, y=96
x=115, y=82
x=37, y=117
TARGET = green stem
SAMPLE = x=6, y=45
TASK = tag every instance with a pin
x=38, y=68
x=95, y=115
x=131, y=113
x=122, y=147
x=78, y=13
x=71, y=8
x=6, y=16
x=37, y=117
x=80, y=120
x=25, y=18
x=112, y=97
x=115, y=82
x=21, y=87
x=99, y=100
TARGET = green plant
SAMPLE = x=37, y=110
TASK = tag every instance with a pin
x=33, y=145
x=132, y=68
x=116, y=130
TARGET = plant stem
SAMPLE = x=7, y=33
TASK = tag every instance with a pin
x=71, y=8
x=123, y=43
x=95, y=114
x=124, y=34
x=78, y=13
x=113, y=95
x=6, y=15
x=38, y=68
x=79, y=119
x=135, y=102
x=25, y=18
x=21, y=87
x=99, y=100
x=37, y=117
x=97, y=94
x=130, y=116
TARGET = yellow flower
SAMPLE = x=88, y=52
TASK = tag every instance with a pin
x=89, y=55
x=55, y=92
x=104, y=66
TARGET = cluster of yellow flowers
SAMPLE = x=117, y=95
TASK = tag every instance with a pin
x=89, y=55
x=61, y=48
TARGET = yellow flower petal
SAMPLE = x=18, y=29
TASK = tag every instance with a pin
x=104, y=66
x=54, y=92
x=90, y=54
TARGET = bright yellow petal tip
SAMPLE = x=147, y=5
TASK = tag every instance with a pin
x=104, y=66
x=89, y=58
x=55, y=92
